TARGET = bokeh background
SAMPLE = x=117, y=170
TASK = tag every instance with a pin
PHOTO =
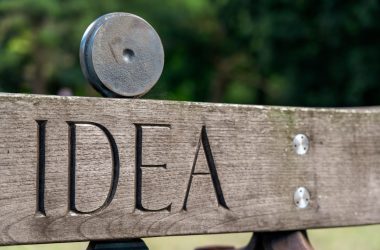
x=283, y=52
x=273, y=52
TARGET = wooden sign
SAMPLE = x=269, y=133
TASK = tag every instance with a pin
x=74, y=168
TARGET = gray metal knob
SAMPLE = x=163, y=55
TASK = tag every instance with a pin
x=121, y=55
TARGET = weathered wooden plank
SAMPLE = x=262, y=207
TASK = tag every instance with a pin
x=151, y=148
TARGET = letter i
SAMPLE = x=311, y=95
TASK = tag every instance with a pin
x=41, y=135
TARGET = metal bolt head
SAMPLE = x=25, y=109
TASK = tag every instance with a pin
x=301, y=197
x=301, y=144
x=121, y=55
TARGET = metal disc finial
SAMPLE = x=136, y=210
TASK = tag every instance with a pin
x=121, y=55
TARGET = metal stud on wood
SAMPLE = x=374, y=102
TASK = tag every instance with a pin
x=301, y=197
x=301, y=144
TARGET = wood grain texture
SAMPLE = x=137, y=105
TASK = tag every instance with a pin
x=249, y=147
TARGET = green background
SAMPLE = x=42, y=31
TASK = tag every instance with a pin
x=273, y=52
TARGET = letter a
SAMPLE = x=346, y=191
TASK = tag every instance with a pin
x=211, y=165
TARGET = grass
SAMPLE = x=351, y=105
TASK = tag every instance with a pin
x=353, y=238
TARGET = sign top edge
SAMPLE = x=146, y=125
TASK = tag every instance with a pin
x=362, y=110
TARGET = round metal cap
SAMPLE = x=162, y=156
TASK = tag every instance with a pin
x=301, y=144
x=301, y=197
x=121, y=55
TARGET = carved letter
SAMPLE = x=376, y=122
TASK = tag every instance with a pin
x=211, y=165
x=41, y=135
x=72, y=166
x=139, y=165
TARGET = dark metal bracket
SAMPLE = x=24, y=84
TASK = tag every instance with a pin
x=287, y=240
x=133, y=244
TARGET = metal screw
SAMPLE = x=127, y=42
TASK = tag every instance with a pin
x=121, y=55
x=301, y=144
x=301, y=197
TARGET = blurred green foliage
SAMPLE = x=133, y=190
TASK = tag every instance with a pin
x=283, y=52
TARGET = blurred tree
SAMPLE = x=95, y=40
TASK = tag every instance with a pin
x=40, y=42
x=309, y=52
x=265, y=52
